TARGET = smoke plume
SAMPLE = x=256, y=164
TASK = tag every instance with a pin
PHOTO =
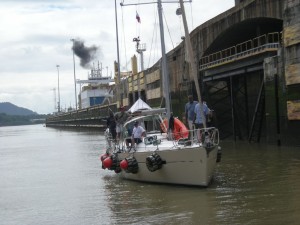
x=86, y=54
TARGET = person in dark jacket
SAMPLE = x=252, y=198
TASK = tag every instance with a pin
x=111, y=124
x=120, y=118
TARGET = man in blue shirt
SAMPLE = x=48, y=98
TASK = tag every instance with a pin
x=198, y=120
x=189, y=113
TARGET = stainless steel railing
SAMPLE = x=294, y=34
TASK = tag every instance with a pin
x=254, y=46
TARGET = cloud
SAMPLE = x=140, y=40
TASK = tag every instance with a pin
x=35, y=37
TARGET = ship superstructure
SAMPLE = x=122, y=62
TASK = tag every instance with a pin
x=95, y=88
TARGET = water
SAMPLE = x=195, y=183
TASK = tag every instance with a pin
x=50, y=176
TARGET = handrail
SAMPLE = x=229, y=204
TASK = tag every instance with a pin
x=255, y=45
x=199, y=136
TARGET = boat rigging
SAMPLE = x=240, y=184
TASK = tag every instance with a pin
x=165, y=152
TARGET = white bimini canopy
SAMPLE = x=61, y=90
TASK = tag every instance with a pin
x=139, y=105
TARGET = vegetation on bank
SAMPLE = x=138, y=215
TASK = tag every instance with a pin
x=16, y=120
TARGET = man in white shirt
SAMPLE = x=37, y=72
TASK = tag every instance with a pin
x=137, y=133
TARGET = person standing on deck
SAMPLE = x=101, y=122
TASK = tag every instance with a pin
x=121, y=117
x=209, y=115
x=189, y=113
x=111, y=124
x=137, y=133
x=198, y=120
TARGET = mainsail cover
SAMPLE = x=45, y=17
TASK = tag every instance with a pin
x=138, y=106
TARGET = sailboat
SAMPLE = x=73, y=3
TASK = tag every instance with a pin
x=169, y=153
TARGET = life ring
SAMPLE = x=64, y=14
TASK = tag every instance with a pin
x=133, y=166
x=154, y=162
x=179, y=131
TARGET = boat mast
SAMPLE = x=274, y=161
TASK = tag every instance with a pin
x=119, y=90
x=164, y=66
x=191, y=60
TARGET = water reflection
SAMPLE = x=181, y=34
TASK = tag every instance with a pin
x=132, y=202
x=257, y=185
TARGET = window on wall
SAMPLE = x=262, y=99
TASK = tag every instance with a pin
x=293, y=54
x=153, y=85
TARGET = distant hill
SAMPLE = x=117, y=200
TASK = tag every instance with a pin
x=11, y=109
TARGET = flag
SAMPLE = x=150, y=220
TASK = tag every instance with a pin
x=138, y=17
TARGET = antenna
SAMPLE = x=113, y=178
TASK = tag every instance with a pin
x=140, y=49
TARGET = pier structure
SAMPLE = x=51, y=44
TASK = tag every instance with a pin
x=92, y=117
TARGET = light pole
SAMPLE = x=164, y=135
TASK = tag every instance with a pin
x=58, y=103
x=73, y=40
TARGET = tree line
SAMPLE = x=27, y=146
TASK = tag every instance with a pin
x=15, y=120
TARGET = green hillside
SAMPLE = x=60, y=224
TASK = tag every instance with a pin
x=12, y=115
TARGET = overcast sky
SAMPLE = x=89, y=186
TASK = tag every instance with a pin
x=35, y=37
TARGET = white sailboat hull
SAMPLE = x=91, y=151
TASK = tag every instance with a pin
x=192, y=166
x=183, y=166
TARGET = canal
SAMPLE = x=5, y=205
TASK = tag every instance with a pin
x=53, y=176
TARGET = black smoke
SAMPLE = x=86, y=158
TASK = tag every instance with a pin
x=86, y=54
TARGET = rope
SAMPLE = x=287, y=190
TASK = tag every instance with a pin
x=168, y=29
x=154, y=35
